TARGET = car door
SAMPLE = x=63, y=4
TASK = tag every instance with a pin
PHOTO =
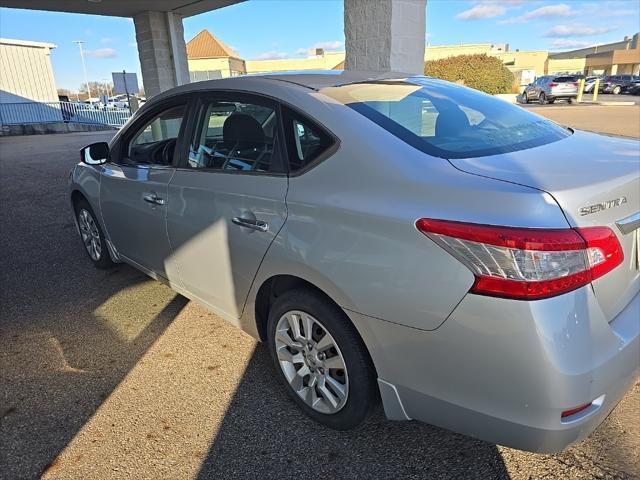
x=133, y=187
x=537, y=85
x=227, y=198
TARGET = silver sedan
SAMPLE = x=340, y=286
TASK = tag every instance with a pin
x=396, y=240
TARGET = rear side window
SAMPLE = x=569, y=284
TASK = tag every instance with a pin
x=235, y=136
x=447, y=120
x=306, y=141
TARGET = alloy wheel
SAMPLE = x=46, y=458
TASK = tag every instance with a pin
x=90, y=234
x=312, y=362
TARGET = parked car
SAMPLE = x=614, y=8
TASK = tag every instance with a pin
x=631, y=86
x=549, y=88
x=634, y=88
x=617, y=84
x=464, y=261
x=590, y=83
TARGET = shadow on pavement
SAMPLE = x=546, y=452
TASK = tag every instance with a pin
x=66, y=338
x=264, y=435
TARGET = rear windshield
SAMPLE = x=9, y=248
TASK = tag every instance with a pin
x=447, y=120
x=565, y=79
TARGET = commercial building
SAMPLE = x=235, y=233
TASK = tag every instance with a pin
x=608, y=59
x=210, y=58
x=27, y=74
x=617, y=57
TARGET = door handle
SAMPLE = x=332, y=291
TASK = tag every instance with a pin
x=153, y=198
x=251, y=223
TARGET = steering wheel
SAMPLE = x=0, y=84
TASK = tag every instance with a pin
x=167, y=151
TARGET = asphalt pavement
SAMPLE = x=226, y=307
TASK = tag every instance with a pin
x=109, y=374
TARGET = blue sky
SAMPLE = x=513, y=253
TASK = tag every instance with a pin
x=287, y=28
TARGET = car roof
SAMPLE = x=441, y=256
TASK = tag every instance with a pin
x=259, y=83
x=316, y=80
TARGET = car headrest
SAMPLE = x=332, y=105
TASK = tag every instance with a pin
x=451, y=121
x=240, y=127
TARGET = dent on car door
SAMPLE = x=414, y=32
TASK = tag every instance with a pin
x=227, y=199
x=133, y=191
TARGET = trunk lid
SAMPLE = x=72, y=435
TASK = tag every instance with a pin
x=596, y=181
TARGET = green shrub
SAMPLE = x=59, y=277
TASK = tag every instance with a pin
x=482, y=72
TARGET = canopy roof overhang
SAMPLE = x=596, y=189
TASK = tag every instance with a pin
x=120, y=8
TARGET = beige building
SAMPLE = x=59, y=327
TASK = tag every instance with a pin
x=322, y=60
x=608, y=59
x=26, y=73
x=210, y=58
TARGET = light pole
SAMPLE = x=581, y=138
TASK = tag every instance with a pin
x=84, y=67
x=108, y=87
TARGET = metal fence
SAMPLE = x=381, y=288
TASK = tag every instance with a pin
x=56, y=112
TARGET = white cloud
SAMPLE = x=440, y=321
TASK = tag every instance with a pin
x=271, y=55
x=561, y=43
x=101, y=53
x=330, y=45
x=106, y=40
x=577, y=30
x=481, y=11
x=546, y=12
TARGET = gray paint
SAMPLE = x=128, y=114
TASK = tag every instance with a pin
x=498, y=369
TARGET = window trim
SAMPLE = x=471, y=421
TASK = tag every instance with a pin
x=136, y=127
x=197, y=118
x=304, y=118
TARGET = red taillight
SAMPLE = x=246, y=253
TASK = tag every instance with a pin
x=553, y=84
x=573, y=411
x=527, y=263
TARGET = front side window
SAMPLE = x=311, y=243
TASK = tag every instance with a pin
x=155, y=142
x=445, y=119
x=235, y=136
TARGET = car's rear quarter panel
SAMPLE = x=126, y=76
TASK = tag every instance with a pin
x=350, y=222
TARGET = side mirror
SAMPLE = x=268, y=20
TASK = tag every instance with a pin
x=95, y=154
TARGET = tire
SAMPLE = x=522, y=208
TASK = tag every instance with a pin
x=525, y=97
x=616, y=90
x=92, y=236
x=542, y=98
x=357, y=380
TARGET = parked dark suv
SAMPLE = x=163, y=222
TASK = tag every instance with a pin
x=617, y=83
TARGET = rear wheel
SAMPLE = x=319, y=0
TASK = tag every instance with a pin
x=542, y=99
x=323, y=362
x=92, y=236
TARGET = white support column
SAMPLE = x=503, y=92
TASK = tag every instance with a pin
x=385, y=35
x=162, y=51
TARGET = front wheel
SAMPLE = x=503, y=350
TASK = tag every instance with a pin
x=322, y=360
x=92, y=236
x=616, y=90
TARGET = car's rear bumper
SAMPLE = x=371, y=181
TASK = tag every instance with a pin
x=559, y=96
x=505, y=370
